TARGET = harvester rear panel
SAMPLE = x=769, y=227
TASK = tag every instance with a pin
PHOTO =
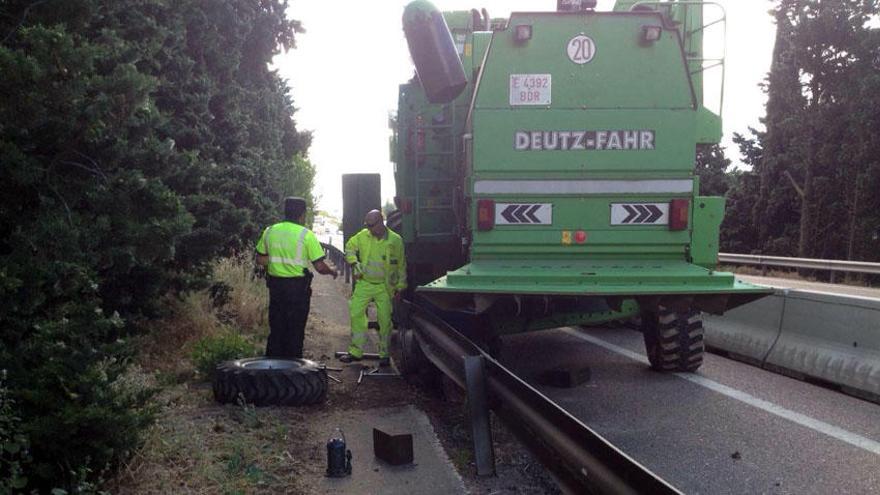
x=557, y=186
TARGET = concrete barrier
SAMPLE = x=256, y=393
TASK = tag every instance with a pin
x=829, y=337
x=747, y=332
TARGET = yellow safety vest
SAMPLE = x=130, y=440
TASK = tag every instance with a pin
x=290, y=247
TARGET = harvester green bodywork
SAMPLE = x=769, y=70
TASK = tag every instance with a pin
x=580, y=148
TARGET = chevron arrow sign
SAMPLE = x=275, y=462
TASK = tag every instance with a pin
x=523, y=214
x=639, y=214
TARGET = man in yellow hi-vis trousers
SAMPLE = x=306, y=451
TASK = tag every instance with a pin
x=377, y=259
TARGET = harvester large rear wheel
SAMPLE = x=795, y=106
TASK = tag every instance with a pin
x=415, y=367
x=411, y=357
x=673, y=340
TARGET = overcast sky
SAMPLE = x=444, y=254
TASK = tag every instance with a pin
x=347, y=67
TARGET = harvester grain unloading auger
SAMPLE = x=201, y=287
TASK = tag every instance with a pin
x=545, y=172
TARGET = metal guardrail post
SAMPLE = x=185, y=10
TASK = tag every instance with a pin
x=478, y=406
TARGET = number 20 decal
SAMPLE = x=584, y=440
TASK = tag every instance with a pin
x=581, y=49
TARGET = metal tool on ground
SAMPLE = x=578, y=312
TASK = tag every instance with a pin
x=338, y=456
x=376, y=372
x=367, y=355
x=372, y=372
x=360, y=377
x=326, y=368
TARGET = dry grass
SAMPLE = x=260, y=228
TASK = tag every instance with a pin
x=200, y=447
x=165, y=349
x=197, y=446
x=248, y=303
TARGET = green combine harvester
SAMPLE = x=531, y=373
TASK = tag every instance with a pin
x=545, y=173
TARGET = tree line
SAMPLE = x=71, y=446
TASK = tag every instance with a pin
x=140, y=140
x=813, y=188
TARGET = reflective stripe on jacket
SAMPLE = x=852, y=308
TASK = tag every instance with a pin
x=290, y=247
x=378, y=261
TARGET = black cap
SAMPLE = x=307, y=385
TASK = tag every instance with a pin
x=294, y=207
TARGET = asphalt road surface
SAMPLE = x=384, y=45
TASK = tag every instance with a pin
x=729, y=428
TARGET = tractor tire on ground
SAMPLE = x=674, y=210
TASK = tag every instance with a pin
x=270, y=382
x=673, y=341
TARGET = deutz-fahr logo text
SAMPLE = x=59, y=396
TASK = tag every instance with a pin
x=636, y=139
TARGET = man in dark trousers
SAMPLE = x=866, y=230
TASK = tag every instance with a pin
x=286, y=249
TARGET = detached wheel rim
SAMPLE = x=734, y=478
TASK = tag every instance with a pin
x=271, y=364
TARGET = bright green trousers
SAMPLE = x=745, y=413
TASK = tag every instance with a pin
x=364, y=292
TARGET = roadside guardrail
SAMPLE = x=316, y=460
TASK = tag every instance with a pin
x=811, y=263
x=581, y=460
x=337, y=257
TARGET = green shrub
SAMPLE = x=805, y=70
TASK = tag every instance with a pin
x=14, y=453
x=121, y=180
x=81, y=411
x=210, y=351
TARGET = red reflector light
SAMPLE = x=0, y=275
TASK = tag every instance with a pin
x=678, y=214
x=580, y=237
x=485, y=214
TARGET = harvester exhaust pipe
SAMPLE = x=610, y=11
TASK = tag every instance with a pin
x=477, y=20
x=433, y=52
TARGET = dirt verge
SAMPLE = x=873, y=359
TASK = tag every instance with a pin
x=199, y=446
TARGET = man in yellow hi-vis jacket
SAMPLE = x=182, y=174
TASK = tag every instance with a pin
x=287, y=249
x=377, y=259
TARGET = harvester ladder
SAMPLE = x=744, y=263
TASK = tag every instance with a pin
x=420, y=209
x=692, y=34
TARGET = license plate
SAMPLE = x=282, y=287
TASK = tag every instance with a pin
x=530, y=89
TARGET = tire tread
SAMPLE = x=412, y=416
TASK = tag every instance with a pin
x=674, y=341
x=301, y=385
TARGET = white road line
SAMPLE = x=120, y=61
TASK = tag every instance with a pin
x=796, y=417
